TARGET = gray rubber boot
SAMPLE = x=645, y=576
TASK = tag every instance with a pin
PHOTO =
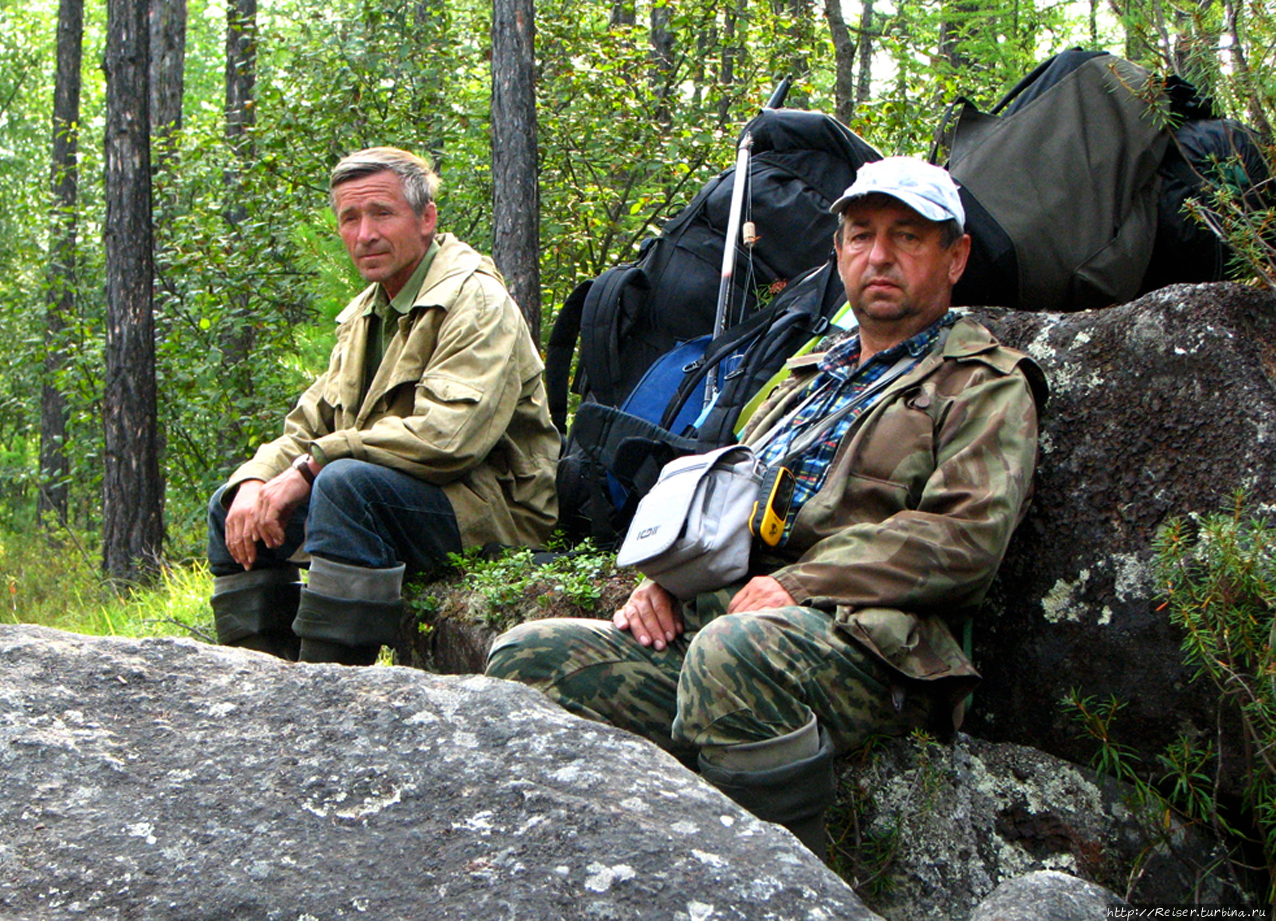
x=347, y=612
x=787, y=780
x=255, y=610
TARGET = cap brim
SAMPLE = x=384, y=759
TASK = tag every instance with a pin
x=926, y=208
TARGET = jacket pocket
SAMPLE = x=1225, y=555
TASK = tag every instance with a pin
x=447, y=406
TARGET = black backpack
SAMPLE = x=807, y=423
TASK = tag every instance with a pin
x=1206, y=152
x=645, y=327
x=632, y=314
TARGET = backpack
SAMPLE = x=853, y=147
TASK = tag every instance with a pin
x=631, y=314
x=1205, y=152
x=1074, y=185
x=615, y=454
x=1061, y=192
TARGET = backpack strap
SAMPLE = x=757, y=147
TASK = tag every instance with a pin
x=559, y=352
x=624, y=455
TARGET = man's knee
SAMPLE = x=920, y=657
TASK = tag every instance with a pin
x=342, y=481
x=217, y=513
x=740, y=682
x=727, y=645
x=533, y=653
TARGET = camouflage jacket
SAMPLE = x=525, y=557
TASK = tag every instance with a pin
x=458, y=401
x=906, y=534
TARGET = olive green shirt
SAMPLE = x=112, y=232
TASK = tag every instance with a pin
x=386, y=309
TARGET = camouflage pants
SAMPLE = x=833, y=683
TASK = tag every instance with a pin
x=729, y=679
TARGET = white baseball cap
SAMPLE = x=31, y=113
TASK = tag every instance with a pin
x=929, y=190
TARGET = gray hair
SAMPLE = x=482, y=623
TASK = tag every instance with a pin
x=420, y=182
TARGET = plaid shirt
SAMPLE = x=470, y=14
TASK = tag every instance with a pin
x=838, y=382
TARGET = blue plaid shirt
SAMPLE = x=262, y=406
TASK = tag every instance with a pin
x=838, y=382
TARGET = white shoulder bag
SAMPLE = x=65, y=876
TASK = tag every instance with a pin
x=690, y=532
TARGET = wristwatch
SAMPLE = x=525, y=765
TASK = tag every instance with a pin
x=302, y=466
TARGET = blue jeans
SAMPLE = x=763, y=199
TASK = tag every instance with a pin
x=358, y=513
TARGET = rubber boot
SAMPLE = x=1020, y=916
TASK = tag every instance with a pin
x=255, y=610
x=347, y=612
x=787, y=780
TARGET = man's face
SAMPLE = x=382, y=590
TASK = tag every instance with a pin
x=383, y=235
x=897, y=273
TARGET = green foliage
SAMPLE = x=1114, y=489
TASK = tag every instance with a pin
x=54, y=580
x=1180, y=789
x=507, y=580
x=1219, y=576
x=1096, y=718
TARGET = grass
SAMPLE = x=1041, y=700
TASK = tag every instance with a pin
x=53, y=579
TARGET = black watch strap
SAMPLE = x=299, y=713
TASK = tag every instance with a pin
x=302, y=466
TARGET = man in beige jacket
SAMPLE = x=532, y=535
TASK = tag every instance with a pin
x=428, y=433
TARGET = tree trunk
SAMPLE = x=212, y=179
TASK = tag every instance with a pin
x=168, y=70
x=1245, y=81
x=844, y=60
x=237, y=335
x=952, y=34
x=798, y=63
x=516, y=190
x=62, y=268
x=732, y=53
x=662, y=63
x=133, y=492
x=864, y=79
x=623, y=15
x=241, y=85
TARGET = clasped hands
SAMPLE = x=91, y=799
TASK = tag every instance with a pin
x=654, y=617
x=260, y=512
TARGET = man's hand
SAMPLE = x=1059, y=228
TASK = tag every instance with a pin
x=759, y=594
x=652, y=615
x=241, y=525
x=260, y=512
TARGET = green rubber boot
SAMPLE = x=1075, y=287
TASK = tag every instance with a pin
x=787, y=780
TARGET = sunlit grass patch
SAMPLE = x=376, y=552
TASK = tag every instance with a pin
x=53, y=579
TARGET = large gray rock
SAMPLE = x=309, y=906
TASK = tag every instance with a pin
x=1159, y=408
x=941, y=828
x=1048, y=895
x=166, y=779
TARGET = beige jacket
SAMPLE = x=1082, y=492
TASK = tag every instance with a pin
x=458, y=401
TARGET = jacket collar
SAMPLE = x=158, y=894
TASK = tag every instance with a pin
x=968, y=341
x=453, y=264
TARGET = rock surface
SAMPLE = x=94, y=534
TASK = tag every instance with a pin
x=1159, y=408
x=167, y=779
x=1047, y=896
x=941, y=826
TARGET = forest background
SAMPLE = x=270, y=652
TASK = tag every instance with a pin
x=243, y=109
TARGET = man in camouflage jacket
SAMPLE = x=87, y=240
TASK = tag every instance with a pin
x=428, y=433
x=903, y=512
